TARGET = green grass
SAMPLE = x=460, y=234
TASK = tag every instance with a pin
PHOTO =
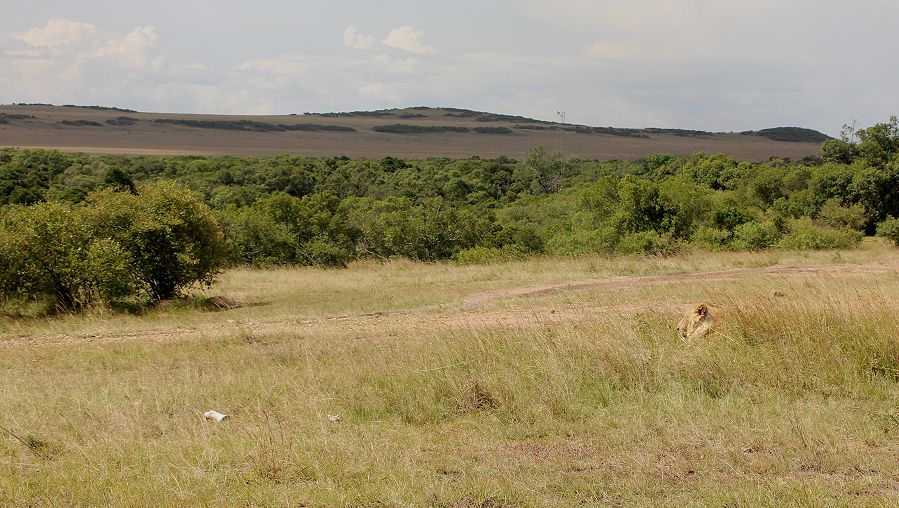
x=578, y=395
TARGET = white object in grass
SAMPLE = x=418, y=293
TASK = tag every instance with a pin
x=214, y=415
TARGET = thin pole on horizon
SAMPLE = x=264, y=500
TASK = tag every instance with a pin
x=561, y=129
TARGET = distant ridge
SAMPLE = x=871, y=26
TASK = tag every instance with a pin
x=97, y=108
x=418, y=131
x=785, y=134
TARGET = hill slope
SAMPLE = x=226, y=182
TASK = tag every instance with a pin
x=412, y=132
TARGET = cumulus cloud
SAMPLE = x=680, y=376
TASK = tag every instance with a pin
x=57, y=33
x=408, y=39
x=133, y=50
x=353, y=38
x=68, y=61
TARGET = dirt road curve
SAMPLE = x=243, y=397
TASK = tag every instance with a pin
x=610, y=283
x=470, y=310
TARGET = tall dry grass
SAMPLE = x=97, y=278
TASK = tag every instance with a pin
x=575, y=396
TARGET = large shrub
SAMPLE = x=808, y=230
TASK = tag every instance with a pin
x=171, y=236
x=805, y=235
x=155, y=243
x=580, y=242
x=711, y=238
x=889, y=229
x=756, y=235
x=52, y=250
x=835, y=214
x=648, y=242
x=487, y=255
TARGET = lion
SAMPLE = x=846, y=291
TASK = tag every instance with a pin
x=702, y=319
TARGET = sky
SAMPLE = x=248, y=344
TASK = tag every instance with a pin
x=720, y=65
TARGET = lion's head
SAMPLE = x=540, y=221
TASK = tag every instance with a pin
x=701, y=319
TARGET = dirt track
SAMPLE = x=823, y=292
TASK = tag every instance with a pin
x=471, y=311
x=610, y=283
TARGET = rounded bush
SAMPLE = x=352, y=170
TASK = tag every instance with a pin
x=889, y=229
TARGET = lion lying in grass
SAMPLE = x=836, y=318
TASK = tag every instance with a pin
x=702, y=319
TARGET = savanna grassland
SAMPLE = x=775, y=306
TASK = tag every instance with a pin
x=543, y=382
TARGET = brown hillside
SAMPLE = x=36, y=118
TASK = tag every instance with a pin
x=443, y=132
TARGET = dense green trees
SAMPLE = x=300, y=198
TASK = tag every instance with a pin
x=283, y=229
x=875, y=146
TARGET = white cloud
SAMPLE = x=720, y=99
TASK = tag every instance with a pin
x=408, y=39
x=57, y=33
x=352, y=38
x=68, y=62
x=132, y=51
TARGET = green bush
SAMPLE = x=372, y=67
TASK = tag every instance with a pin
x=429, y=230
x=711, y=238
x=52, y=250
x=111, y=271
x=798, y=204
x=756, y=235
x=176, y=241
x=648, y=242
x=486, y=255
x=805, y=235
x=322, y=252
x=578, y=243
x=834, y=214
x=889, y=229
x=171, y=236
x=727, y=215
